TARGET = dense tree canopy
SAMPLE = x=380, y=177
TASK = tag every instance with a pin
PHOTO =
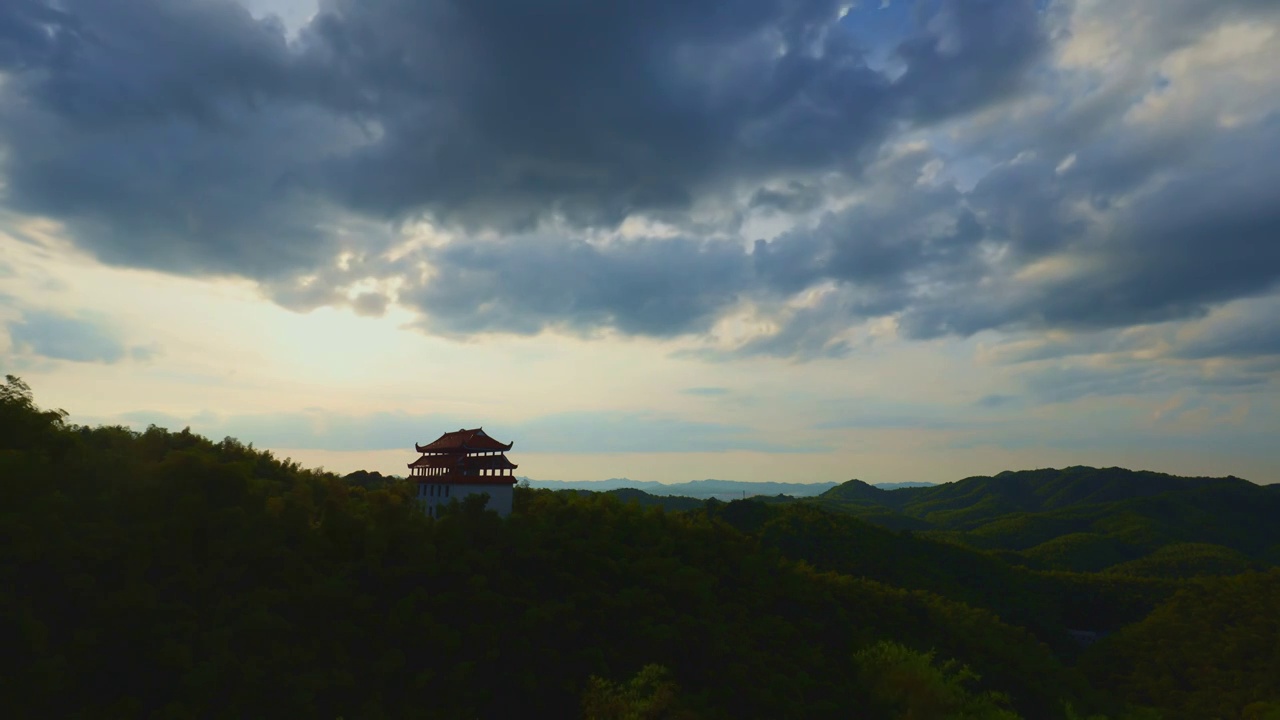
x=162, y=574
x=1211, y=651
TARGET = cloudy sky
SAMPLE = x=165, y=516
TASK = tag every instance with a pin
x=794, y=240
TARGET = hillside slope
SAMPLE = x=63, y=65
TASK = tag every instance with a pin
x=1078, y=518
x=159, y=574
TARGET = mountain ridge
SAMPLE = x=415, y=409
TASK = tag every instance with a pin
x=1081, y=518
x=695, y=488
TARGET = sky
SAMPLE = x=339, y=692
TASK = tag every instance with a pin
x=783, y=240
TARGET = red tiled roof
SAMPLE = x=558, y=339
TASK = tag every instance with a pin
x=464, y=470
x=466, y=480
x=464, y=440
x=435, y=461
x=464, y=462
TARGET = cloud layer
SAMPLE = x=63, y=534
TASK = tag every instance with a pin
x=663, y=169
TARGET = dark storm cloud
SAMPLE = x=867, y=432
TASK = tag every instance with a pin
x=24, y=41
x=796, y=197
x=167, y=134
x=499, y=112
x=1207, y=235
x=951, y=68
x=524, y=284
x=875, y=245
x=1202, y=231
x=876, y=250
x=191, y=137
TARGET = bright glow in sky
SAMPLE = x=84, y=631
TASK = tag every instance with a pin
x=917, y=243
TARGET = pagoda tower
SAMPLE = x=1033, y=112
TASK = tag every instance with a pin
x=462, y=463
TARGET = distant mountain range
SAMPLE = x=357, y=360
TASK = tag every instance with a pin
x=704, y=489
x=1082, y=518
x=901, y=485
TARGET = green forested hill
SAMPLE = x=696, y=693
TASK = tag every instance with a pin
x=1189, y=560
x=968, y=503
x=1078, y=518
x=162, y=574
x=1209, y=652
x=972, y=502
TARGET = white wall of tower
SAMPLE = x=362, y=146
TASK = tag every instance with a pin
x=435, y=495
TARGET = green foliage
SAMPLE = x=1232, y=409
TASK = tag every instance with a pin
x=162, y=574
x=1084, y=519
x=837, y=542
x=1128, y=713
x=1211, y=651
x=975, y=501
x=1105, y=602
x=906, y=684
x=652, y=694
x=371, y=480
x=1189, y=560
x=666, y=502
x=1081, y=552
x=1261, y=711
x=26, y=426
x=644, y=499
x=158, y=573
